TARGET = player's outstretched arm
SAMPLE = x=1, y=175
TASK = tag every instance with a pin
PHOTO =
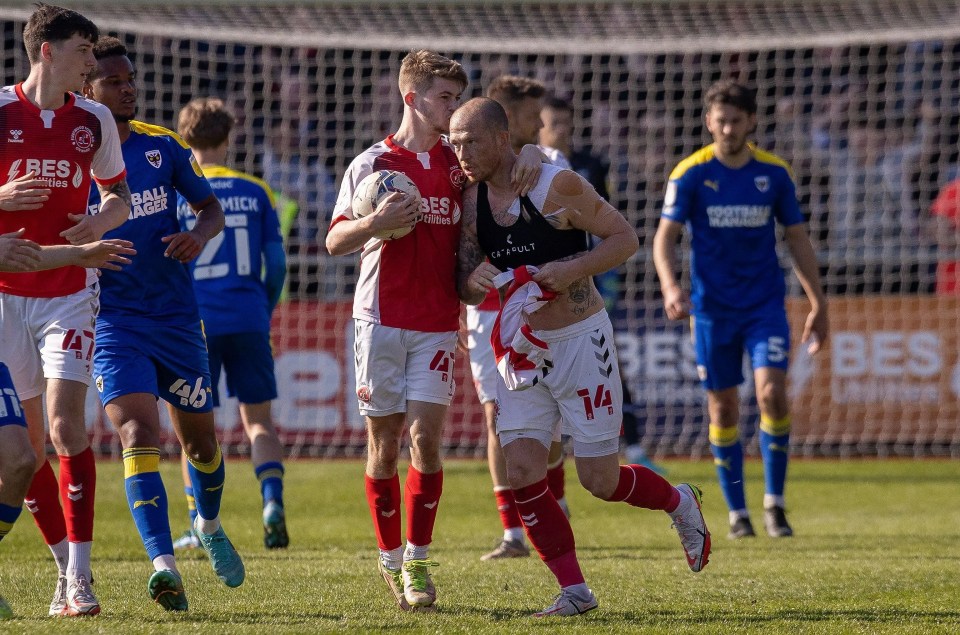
x=474, y=274
x=816, y=328
x=185, y=246
x=114, y=210
x=675, y=300
x=18, y=254
x=101, y=254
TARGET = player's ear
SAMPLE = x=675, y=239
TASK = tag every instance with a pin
x=46, y=51
x=409, y=97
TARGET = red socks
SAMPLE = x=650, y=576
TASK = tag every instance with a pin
x=641, y=487
x=383, y=497
x=43, y=501
x=549, y=531
x=556, y=480
x=421, y=494
x=507, y=506
x=78, y=482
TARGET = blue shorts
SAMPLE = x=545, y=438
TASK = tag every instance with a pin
x=248, y=362
x=11, y=413
x=720, y=342
x=168, y=361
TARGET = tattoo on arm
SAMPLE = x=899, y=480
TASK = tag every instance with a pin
x=119, y=189
x=469, y=254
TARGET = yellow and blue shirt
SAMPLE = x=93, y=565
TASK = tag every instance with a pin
x=731, y=215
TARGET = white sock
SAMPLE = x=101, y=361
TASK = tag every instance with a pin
x=208, y=527
x=514, y=534
x=683, y=506
x=165, y=562
x=581, y=590
x=392, y=559
x=61, y=555
x=737, y=514
x=415, y=552
x=771, y=500
x=79, y=562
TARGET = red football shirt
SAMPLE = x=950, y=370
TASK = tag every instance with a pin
x=63, y=147
x=410, y=282
x=947, y=205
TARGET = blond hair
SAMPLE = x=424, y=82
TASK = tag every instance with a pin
x=419, y=68
x=205, y=123
x=508, y=90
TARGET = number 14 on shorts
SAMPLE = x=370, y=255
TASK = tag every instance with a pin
x=596, y=399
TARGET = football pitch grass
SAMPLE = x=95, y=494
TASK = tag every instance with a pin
x=875, y=551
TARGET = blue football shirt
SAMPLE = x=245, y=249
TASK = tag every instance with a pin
x=731, y=215
x=153, y=288
x=227, y=275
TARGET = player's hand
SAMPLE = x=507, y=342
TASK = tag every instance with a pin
x=676, y=303
x=816, y=330
x=396, y=211
x=480, y=279
x=526, y=171
x=18, y=254
x=556, y=276
x=24, y=193
x=88, y=229
x=184, y=246
x=106, y=254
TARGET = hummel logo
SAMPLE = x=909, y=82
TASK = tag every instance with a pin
x=152, y=501
x=431, y=505
x=530, y=520
x=31, y=505
x=389, y=513
x=15, y=136
x=213, y=489
x=74, y=492
x=713, y=185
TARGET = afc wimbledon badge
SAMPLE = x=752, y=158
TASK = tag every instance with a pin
x=154, y=157
x=762, y=183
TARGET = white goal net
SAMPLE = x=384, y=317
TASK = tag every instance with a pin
x=862, y=97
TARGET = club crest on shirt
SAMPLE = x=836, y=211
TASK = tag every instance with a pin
x=154, y=158
x=82, y=139
x=457, y=177
x=762, y=183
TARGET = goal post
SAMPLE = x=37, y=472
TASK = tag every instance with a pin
x=861, y=97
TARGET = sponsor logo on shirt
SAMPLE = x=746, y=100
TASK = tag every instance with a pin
x=738, y=215
x=54, y=173
x=437, y=211
x=148, y=202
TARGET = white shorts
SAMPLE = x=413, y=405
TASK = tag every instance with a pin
x=579, y=388
x=48, y=338
x=483, y=364
x=395, y=366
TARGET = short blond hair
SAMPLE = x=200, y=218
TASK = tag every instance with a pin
x=419, y=68
x=205, y=123
x=508, y=90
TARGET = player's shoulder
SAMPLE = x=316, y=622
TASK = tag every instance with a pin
x=693, y=162
x=157, y=132
x=769, y=158
x=91, y=106
x=364, y=162
x=232, y=178
x=8, y=95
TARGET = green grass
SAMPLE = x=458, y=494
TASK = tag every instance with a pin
x=875, y=552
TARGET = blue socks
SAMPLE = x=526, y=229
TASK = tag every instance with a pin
x=147, y=499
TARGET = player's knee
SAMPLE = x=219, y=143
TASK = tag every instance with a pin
x=772, y=400
x=598, y=484
x=68, y=435
x=522, y=474
x=20, y=470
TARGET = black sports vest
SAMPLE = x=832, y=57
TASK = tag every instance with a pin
x=526, y=242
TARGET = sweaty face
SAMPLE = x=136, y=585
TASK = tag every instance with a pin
x=71, y=61
x=525, y=122
x=557, y=127
x=114, y=86
x=730, y=127
x=478, y=150
x=437, y=103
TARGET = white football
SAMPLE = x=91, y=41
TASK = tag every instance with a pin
x=373, y=189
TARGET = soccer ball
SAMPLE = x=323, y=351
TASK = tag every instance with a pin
x=373, y=189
